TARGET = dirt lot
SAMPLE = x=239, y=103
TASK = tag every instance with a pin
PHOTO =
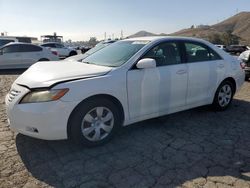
x=195, y=148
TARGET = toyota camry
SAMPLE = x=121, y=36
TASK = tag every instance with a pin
x=126, y=82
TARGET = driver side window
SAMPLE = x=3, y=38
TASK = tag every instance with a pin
x=167, y=53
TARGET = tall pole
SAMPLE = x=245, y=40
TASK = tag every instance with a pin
x=121, y=34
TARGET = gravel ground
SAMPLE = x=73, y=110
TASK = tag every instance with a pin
x=195, y=148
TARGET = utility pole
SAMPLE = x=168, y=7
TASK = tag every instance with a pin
x=121, y=34
x=105, y=36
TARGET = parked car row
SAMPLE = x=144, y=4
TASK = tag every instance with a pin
x=236, y=49
x=16, y=55
x=23, y=55
x=233, y=49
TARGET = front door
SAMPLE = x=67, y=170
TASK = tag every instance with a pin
x=158, y=90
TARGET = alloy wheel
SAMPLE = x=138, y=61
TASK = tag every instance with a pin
x=225, y=95
x=97, y=123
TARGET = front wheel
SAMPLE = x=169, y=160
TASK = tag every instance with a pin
x=94, y=122
x=223, y=96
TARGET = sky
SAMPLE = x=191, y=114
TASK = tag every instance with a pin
x=82, y=19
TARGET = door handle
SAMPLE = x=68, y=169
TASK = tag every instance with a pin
x=181, y=72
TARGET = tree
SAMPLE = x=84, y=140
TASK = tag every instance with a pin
x=229, y=38
x=226, y=38
x=215, y=38
x=92, y=41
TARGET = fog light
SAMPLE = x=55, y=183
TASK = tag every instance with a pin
x=32, y=129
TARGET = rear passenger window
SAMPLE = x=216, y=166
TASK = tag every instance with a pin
x=59, y=46
x=29, y=48
x=5, y=41
x=167, y=53
x=51, y=45
x=197, y=52
x=214, y=55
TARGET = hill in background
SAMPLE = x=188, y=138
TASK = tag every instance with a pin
x=235, y=28
x=142, y=34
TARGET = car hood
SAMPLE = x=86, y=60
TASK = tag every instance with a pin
x=45, y=74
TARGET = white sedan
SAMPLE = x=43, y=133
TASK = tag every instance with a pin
x=23, y=55
x=126, y=82
x=62, y=50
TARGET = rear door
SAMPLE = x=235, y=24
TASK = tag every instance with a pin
x=205, y=69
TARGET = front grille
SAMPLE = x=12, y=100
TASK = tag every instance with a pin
x=13, y=94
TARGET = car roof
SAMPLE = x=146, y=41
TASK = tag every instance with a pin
x=161, y=38
x=14, y=43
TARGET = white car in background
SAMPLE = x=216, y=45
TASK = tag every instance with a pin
x=62, y=50
x=23, y=55
x=126, y=82
x=245, y=57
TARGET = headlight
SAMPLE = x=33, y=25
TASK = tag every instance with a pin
x=44, y=95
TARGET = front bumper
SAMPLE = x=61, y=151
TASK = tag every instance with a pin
x=47, y=120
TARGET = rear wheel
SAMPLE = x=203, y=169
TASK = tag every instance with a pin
x=223, y=96
x=72, y=53
x=94, y=122
x=246, y=78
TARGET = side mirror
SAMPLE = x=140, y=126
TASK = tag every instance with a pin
x=146, y=63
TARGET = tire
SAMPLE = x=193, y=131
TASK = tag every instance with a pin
x=87, y=128
x=43, y=59
x=246, y=78
x=72, y=53
x=223, y=96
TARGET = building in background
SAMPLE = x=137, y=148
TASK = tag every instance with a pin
x=52, y=38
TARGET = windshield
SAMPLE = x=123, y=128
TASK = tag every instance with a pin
x=116, y=54
x=5, y=41
x=80, y=57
